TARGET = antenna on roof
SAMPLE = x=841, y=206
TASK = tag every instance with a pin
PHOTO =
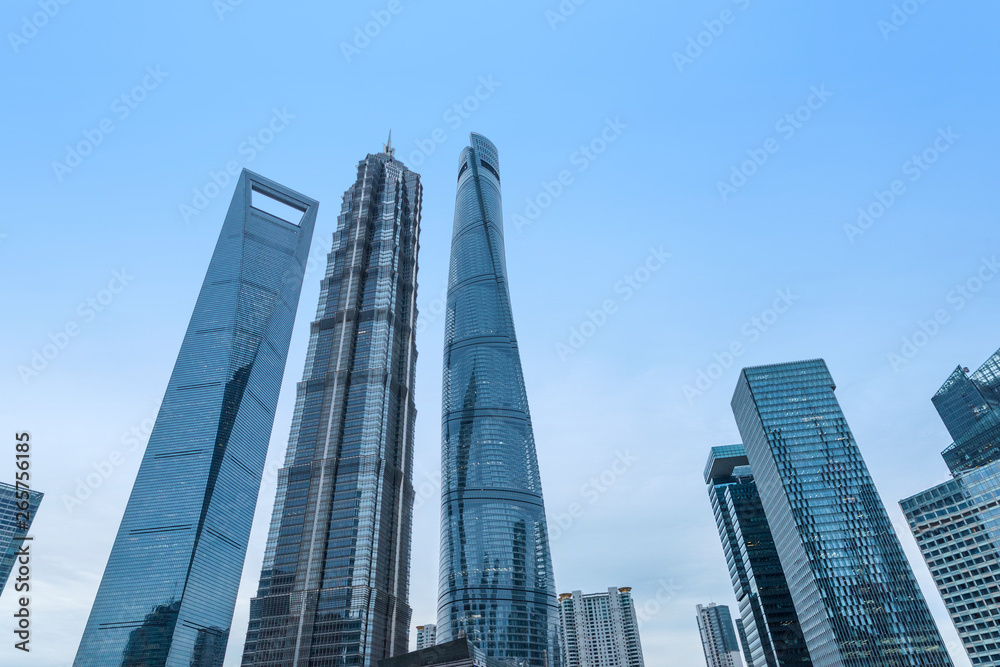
x=387, y=147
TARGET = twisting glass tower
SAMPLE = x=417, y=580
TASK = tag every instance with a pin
x=169, y=589
x=496, y=582
x=333, y=586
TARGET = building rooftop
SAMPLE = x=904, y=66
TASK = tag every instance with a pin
x=723, y=460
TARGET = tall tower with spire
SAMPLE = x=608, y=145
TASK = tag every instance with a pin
x=496, y=584
x=333, y=586
x=387, y=147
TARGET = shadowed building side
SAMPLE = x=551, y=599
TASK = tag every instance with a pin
x=458, y=653
x=768, y=625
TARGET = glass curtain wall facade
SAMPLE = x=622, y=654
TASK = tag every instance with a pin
x=969, y=406
x=854, y=592
x=715, y=625
x=957, y=524
x=169, y=589
x=769, y=627
x=496, y=581
x=334, y=583
x=15, y=523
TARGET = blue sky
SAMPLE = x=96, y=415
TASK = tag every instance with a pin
x=199, y=78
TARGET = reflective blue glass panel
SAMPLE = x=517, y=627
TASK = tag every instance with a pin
x=169, y=588
x=496, y=581
x=969, y=406
x=770, y=630
x=13, y=526
x=854, y=592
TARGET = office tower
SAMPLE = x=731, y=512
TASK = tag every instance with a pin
x=956, y=523
x=426, y=636
x=742, y=636
x=458, y=653
x=969, y=406
x=599, y=629
x=854, y=592
x=715, y=625
x=334, y=581
x=958, y=531
x=15, y=522
x=768, y=625
x=169, y=589
x=496, y=581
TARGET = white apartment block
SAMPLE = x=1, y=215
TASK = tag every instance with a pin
x=600, y=629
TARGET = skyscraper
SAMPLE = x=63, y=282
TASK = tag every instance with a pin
x=958, y=531
x=969, y=405
x=715, y=625
x=14, y=525
x=426, y=636
x=333, y=585
x=769, y=627
x=496, y=581
x=854, y=592
x=956, y=524
x=599, y=629
x=169, y=589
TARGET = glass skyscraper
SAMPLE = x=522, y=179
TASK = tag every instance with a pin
x=769, y=626
x=969, y=405
x=854, y=592
x=334, y=582
x=14, y=525
x=957, y=524
x=496, y=582
x=169, y=589
x=715, y=625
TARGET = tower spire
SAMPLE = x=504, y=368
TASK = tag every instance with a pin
x=387, y=147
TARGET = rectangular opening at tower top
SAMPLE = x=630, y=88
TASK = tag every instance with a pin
x=283, y=210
